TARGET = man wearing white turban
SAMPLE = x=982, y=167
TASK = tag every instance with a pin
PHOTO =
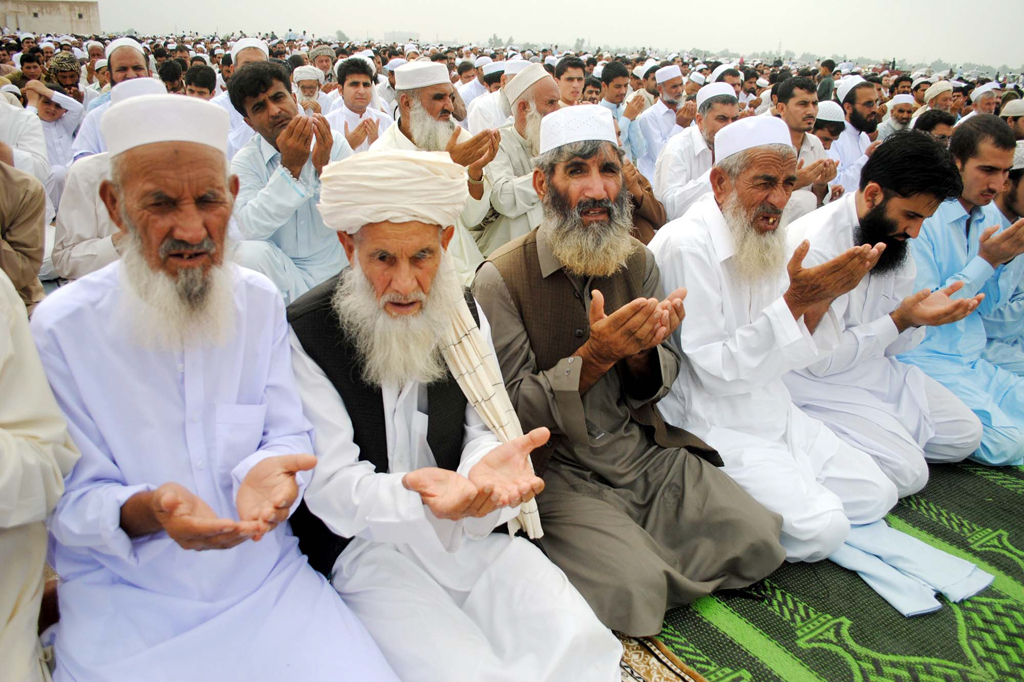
x=421, y=454
x=307, y=80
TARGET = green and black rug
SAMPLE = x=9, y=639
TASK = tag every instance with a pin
x=821, y=623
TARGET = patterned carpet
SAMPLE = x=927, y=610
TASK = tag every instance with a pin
x=821, y=623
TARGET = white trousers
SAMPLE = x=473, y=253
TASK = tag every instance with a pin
x=517, y=618
x=957, y=435
x=819, y=484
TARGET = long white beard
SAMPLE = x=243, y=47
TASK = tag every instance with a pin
x=594, y=250
x=429, y=133
x=759, y=257
x=195, y=310
x=397, y=349
x=533, y=119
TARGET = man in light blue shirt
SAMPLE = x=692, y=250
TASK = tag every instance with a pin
x=615, y=77
x=965, y=241
x=279, y=183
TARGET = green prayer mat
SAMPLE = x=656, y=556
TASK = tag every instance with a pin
x=822, y=623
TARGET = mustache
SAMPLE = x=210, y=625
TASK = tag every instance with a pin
x=590, y=204
x=414, y=297
x=172, y=245
x=767, y=209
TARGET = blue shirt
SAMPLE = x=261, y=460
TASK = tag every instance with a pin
x=632, y=137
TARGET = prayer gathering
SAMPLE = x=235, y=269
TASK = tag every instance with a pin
x=673, y=353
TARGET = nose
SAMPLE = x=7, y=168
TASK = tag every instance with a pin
x=779, y=197
x=593, y=187
x=189, y=225
x=403, y=279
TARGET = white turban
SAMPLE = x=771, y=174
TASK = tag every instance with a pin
x=307, y=73
x=395, y=186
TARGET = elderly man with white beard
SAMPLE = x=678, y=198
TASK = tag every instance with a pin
x=756, y=318
x=409, y=470
x=889, y=409
x=533, y=95
x=634, y=510
x=426, y=106
x=664, y=119
x=201, y=446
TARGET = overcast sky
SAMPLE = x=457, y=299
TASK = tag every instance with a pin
x=981, y=31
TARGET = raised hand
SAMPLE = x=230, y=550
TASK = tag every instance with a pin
x=631, y=178
x=356, y=137
x=809, y=174
x=269, y=490
x=190, y=522
x=815, y=288
x=686, y=113
x=477, y=151
x=321, y=153
x=372, y=129
x=294, y=143
x=447, y=494
x=1002, y=247
x=311, y=104
x=634, y=107
x=934, y=308
x=634, y=328
x=507, y=472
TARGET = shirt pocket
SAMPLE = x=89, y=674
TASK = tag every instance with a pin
x=239, y=431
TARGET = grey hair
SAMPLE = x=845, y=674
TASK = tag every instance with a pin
x=734, y=164
x=585, y=149
x=706, y=105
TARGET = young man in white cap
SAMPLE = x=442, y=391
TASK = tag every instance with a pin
x=411, y=470
x=352, y=111
x=489, y=110
x=278, y=170
x=666, y=118
x=533, y=94
x=217, y=451
x=1013, y=113
x=634, y=511
x=386, y=90
x=476, y=87
x=244, y=51
x=426, y=122
x=684, y=164
x=898, y=117
x=853, y=147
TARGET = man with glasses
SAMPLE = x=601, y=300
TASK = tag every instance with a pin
x=854, y=147
x=937, y=123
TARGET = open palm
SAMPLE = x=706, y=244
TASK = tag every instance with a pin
x=449, y=495
x=507, y=470
x=269, y=490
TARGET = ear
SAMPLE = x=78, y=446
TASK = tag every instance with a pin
x=233, y=185
x=348, y=242
x=720, y=184
x=113, y=203
x=540, y=183
x=873, y=194
x=446, y=236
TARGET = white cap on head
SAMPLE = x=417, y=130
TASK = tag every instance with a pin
x=747, y=133
x=846, y=85
x=551, y=60
x=245, y=44
x=937, y=89
x=164, y=118
x=516, y=66
x=831, y=111
x=515, y=88
x=1015, y=108
x=697, y=78
x=89, y=44
x=598, y=70
x=360, y=190
x=421, y=75
x=395, y=63
x=982, y=89
x=307, y=73
x=411, y=47
x=901, y=99
x=700, y=67
x=1018, y=153
x=123, y=42
x=719, y=70
x=47, y=44
x=482, y=61
x=101, y=64
x=917, y=81
x=494, y=67
x=714, y=90
x=576, y=124
x=762, y=83
x=667, y=73
x=135, y=87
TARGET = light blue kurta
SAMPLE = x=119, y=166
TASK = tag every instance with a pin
x=633, y=141
x=145, y=608
x=284, y=236
x=947, y=251
x=1005, y=329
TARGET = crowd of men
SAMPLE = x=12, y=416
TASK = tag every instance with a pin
x=403, y=362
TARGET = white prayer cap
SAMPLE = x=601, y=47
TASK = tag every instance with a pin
x=481, y=61
x=672, y=56
x=848, y=84
x=366, y=53
x=917, y=81
x=515, y=88
x=494, y=67
x=721, y=68
x=516, y=66
x=747, y=133
x=697, y=78
x=1014, y=107
x=762, y=83
x=47, y=44
x=831, y=111
x=246, y=43
x=21, y=37
x=395, y=63
x=101, y=64
x=410, y=47
x=307, y=73
x=576, y=124
x=982, y=89
x=135, y=87
x=11, y=88
x=957, y=84
x=936, y=90
x=667, y=73
x=360, y=189
x=1018, y=154
x=553, y=61
x=598, y=70
x=123, y=42
x=901, y=99
x=700, y=66
x=93, y=42
x=421, y=75
x=714, y=90
x=163, y=118
x=884, y=73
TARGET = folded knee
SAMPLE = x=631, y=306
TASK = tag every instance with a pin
x=815, y=538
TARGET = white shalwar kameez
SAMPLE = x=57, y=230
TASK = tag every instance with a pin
x=682, y=174
x=445, y=600
x=657, y=124
x=889, y=409
x=849, y=150
x=485, y=113
x=738, y=339
x=341, y=116
x=145, y=608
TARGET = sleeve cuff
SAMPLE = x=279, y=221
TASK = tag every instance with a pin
x=977, y=272
x=787, y=330
x=564, y=379
x=885, y=329
x=115, y=541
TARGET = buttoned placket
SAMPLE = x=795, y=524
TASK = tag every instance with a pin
x=190, y=364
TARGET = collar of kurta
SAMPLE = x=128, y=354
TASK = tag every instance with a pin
x=549, y=265
x=707, y=209
x=267, y=150
x=521, y=140
x=699, y=145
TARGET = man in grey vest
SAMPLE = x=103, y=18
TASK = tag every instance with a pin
x=634, y=511
x=420, y=454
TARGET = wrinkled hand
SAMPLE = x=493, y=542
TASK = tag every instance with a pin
x=934, y=308
x=1002, y=247
x=634, y=107
x=193, y=524
x=816, y=287
x=294, y=142
x=686, y=113
x=269, y=490
x=324, y=143
x=507, y=472
x=476, y=152
x=310, y=105
x=634, y=328
x=449, y=495
x=631, y=178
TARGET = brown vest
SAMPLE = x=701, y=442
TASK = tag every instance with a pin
x=557, y=322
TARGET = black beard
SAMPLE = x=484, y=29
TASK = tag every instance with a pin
x=861, y=123
x=876, y=227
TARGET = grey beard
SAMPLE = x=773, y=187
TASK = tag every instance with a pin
x=595, y=250
x=429, y=133
x=759, y=257
x=397, y=350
